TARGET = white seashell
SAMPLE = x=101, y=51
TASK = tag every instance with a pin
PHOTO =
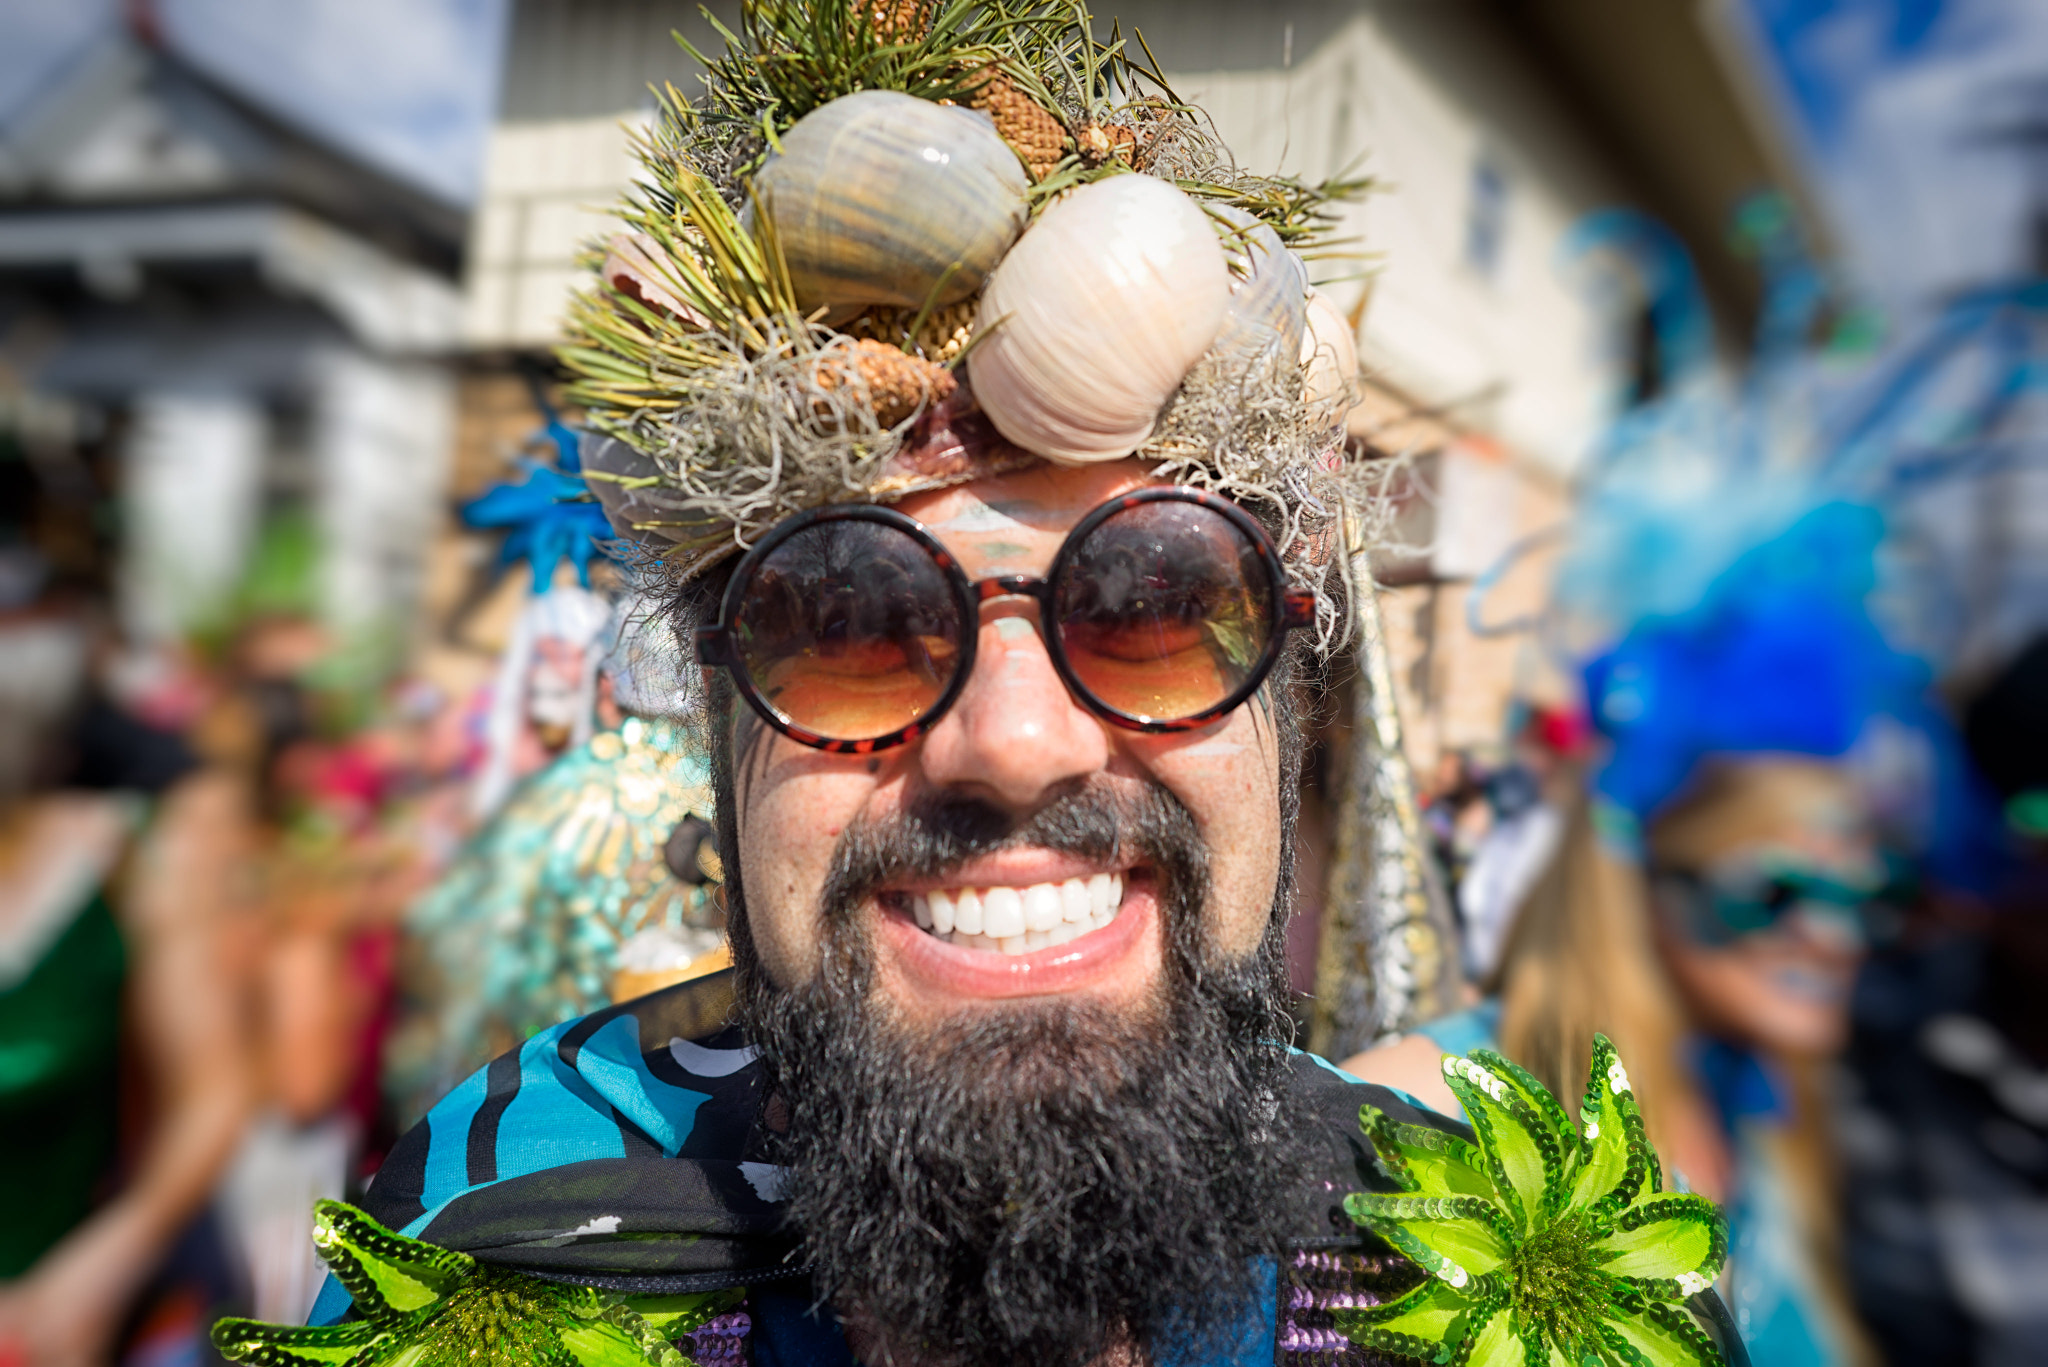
x=1091, y=322
x=1269, y=290
x=1329, y=353
x=877, y=194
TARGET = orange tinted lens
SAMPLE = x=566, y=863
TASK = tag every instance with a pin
x=849, y=629
x=1164, y=610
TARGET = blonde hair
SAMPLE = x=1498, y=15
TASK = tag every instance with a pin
x=1581, y=961
x=1753, y=801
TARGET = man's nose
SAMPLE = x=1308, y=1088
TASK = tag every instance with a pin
x=1016, y=734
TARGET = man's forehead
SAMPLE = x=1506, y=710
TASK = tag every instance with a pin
x=1022, y=516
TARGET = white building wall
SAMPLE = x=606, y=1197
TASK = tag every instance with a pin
x=190, y=495
x=548, y=189
x=1419, y=100
x=382, y=434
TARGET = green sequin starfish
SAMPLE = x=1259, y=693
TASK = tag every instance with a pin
x=424, y=1306
x=1547, y=1246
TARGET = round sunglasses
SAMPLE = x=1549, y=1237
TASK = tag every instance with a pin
x=851, y=629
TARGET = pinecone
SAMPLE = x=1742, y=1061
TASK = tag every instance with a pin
x=1033, y=131
x=1098, y=142
x=897, y=384
x=944, y=335
x=897, y=21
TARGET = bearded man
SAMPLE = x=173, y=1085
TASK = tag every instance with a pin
x=990, y=473
x=968, y=1148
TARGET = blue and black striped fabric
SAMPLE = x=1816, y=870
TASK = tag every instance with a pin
x=619, y=1148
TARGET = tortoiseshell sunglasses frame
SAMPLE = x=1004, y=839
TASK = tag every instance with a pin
x=717, y=644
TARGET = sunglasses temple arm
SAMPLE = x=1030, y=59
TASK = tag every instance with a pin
x=714, y=646
x=1300, y=608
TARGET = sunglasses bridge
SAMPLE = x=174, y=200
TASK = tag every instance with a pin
x=1013, y=586
x=1297, y=606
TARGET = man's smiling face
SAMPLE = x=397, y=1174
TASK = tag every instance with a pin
x=1056, y=1128
x=1026, y=921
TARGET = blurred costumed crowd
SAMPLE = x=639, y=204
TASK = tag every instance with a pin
x=267, y=898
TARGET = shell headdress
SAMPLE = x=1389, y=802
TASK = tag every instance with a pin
x=895, y=245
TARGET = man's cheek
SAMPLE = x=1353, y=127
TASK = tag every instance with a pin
x=1229, y=781
x=788, y=829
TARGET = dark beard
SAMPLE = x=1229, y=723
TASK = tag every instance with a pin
x=1043, y=1183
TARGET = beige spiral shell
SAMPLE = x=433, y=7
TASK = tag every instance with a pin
x=1091, y=322
x=877, y=195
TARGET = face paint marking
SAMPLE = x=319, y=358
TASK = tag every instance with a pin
x=997, y=550
x=978, y=517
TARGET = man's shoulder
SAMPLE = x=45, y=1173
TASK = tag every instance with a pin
x=621, y=1141
x=1339, y=1094
x=1325, y=1103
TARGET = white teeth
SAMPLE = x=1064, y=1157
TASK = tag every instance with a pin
x=1074, y=901
x=1009, y=920
x=1002, y=913
x=1041, y=908
x=968, y=913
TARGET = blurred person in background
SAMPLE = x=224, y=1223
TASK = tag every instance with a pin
x=592, y=876
x=329, y=880
x=1704, y=906
x=596, y=881
x=1945, y=1115
x=124, y=1078
x=319, y=792
x=1455, y=816
x=1723, y=965
x=1523, y=798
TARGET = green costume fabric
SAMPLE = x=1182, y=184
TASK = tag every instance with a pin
x=425, y=1306
x=59, y=1046
x=1547, y=1242
x=1771, y=1280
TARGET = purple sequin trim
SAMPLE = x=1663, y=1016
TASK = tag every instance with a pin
x=719, y=1342
x=1314, y=1286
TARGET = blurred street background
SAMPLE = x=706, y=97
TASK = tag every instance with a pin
x=1705, y=340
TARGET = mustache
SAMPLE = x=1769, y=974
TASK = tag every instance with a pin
x=1102, y=819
